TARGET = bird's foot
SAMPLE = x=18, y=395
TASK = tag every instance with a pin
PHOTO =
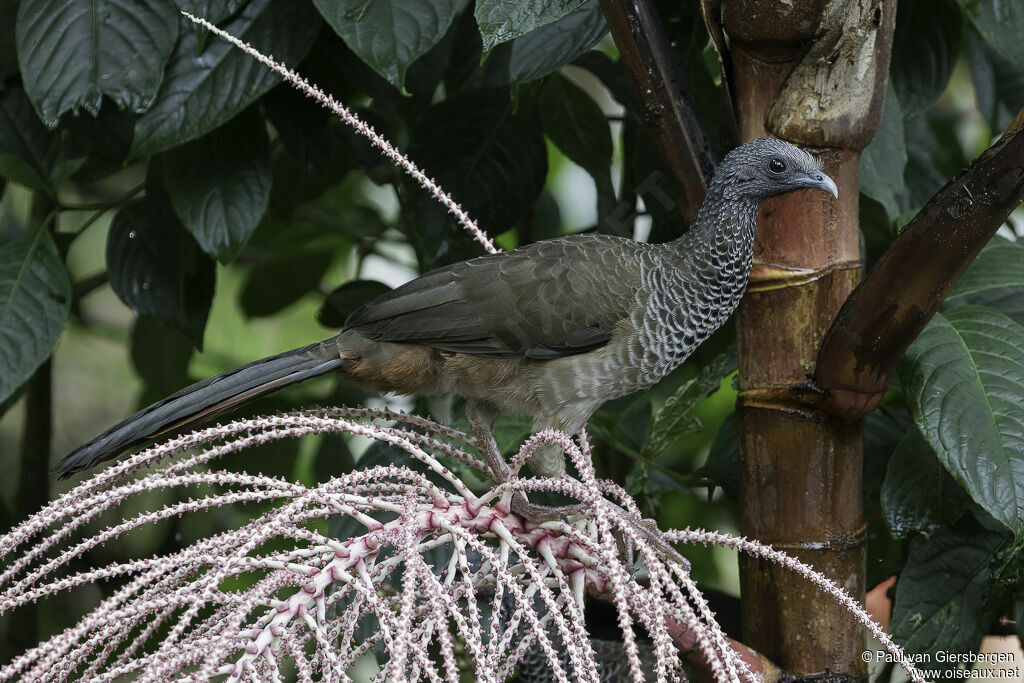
x=537, y=514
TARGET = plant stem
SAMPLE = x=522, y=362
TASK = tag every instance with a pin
x=667, y=109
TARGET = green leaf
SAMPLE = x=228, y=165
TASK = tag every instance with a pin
x=492, y=161
x=219, y=185
x=925, y=48
x=577, y=126
x=73, y=52
x=29, y=153
x=35, y=295
x=998, y=84
x=501, y=21
x=283, y=279
x=722, y=467
x=340, y=303
x=206, y=87
x=883, y=161
x=963, y=379
x=552, y=46
x=676, y=416
x=1000, y=264
x=389, y=35
x=941, y=594
x=1001, y=24
x=1008, y=300
x=161, y=355
x=213, y=11
x=918, y=495
x=157, y=269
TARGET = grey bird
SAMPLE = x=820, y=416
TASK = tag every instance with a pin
x=551, y=330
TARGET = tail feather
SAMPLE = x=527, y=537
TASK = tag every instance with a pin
x=204, y=400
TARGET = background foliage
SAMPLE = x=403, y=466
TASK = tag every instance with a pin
x=169, y=207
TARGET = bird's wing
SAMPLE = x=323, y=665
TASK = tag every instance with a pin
x=550, y=299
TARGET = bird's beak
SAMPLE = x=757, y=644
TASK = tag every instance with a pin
x=820, y=181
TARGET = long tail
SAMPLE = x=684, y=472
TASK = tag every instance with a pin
x=204, y=400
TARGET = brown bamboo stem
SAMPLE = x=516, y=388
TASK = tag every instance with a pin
x=798, y=73
x=662, y=93
x=889, y=309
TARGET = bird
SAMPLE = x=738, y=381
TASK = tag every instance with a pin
x=551, y=330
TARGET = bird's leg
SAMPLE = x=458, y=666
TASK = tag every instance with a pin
x=481, y=423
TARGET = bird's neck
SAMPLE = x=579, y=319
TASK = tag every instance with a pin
x=723, y=225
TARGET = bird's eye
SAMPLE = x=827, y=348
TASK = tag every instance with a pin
x=776, y=165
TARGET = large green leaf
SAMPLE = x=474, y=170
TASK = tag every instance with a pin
x=284, y=278
x=161, y=356
x=1009, y=300
x=924, y=51
x=1000, y=264
x=489, y=158
x=340, y=303
x=1001, y=24
x=963, y=379
x=548, y=48
x=722, y=468
x=73, y=52
x=998, y=83
x=213, y=11
x=35, y=294
x=29, y=153
x=157, y=269
x=918, y=495
x=883, y=161
x=219, y=185
x=941, y=594
x=501, y=21
x=389, y=35
x=207, y=86
x=578, y=127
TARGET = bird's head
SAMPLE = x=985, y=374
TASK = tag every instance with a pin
x=766, y=167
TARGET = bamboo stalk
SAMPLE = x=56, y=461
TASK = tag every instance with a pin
x=798, y=73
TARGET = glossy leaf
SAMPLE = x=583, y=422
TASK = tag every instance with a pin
x=1000, y=264
x=924, y=51
x=29, y=153
x=722, y=468
x=389, y=35
x=941, y=594
x=340, y=303
x=963, y=379
x=492, y=160
x=1001, y=24
x=1008, y=300
x=35, y=295
x=205, y=87
x=552, y=46
x=213, y=11
x=883, y=161
x=283, y=279
x=577, y=126
x=998, y=83
x=161, y=355
x=157, y=269
x=219, y=185
x=500, y=21
x=918, y=495
x=75, y=52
